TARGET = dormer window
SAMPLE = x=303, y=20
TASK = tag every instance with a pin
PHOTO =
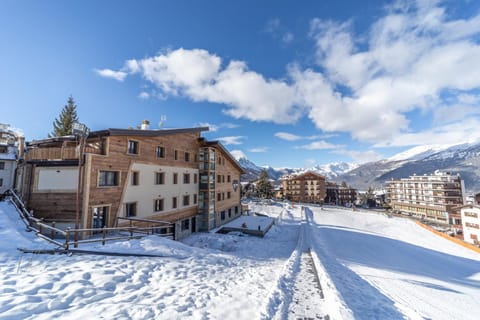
x=132, y=147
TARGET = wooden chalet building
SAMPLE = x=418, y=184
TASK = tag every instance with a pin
x=307, y=187
x=131, y=173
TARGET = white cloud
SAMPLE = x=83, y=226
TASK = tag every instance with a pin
x=235, y=140
x=360, y=156
x=216, y=127
x=287, y=136
x=238, y=154
x=107, y=73
x=293, y=137
x=318, y=145
x=144, y=95
x=259, y=149
x=364, y=84
x=212, y=127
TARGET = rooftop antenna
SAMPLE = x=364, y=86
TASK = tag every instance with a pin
x=163, y=118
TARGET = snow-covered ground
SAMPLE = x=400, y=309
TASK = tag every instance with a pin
x=369, y=266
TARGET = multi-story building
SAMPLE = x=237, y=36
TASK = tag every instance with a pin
x=11, y=150
x=435, y=197
x=470, y=215
x=307, y=187
x=340, y=195
x=125, y=173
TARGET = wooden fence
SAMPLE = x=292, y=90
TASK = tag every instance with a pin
x=65, y=238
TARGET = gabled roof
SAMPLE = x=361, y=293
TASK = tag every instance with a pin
x=218, y=145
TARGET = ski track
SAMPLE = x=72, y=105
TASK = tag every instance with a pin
x=213, y=276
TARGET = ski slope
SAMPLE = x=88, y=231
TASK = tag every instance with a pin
x=369, y=267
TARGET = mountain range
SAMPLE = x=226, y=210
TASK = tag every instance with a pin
x=463, y=159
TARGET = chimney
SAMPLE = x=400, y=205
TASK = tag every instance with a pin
x=145, y=125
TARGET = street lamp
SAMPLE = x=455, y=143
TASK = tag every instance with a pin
x=81, y=132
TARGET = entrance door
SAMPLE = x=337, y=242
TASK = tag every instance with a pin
x=100, y=215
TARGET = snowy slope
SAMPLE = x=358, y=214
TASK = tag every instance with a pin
x=418, y=152
x=369, y=266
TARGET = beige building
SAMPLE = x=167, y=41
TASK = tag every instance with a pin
x=306, y=187
x=125, y=173
x=470, y=215
x=435, y=197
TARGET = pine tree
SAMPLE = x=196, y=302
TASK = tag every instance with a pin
x=62, y=126
x=264, y=187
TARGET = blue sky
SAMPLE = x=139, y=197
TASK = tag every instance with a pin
x=286, y=83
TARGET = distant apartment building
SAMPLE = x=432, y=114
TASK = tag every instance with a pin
x=435, y=197
x=11, y=150
x=307, y=187
x=163, y=175
x=340, y=195
x=470, y=215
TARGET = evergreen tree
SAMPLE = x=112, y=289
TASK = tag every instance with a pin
x=62, y=126
x=264, y=187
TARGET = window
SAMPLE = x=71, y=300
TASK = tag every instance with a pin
x=229, y=195
x=222, y=215
x=1, y=182
x=223, y=195
x=195, y=199
x=160, y=152
x=135, y=178
x=2, y=165
x=223, y=179
x=108, y=178
x=185, y=224
x=186, y=200
x=219, y=178
x=174, y=203
x=230, y=212
x=195, y=178
x=131, y=209
x=175, y=178
x=159, y=177
x=219, y=196
x=187, y=156
x=132, y=147
x=158, y=205
x=236, y=209
x=228, y=178
x=219, y=160
x=186, y=178
x=175, y=155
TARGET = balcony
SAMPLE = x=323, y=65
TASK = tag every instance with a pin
x=60, y=153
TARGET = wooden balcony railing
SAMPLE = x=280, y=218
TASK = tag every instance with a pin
x=65, y=153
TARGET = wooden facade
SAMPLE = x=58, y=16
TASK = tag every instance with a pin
x=106, y=172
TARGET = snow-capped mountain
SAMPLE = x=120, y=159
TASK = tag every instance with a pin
x=463, y=159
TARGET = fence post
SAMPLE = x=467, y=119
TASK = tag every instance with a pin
x=75, y=241
x=104, y=232
x=67, y=238
x=52, y=232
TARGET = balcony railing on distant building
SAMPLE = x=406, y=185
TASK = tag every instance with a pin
x=60, y=153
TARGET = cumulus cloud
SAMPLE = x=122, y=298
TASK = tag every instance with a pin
x=235, y=140
x=107, y=73
x=368, y=84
